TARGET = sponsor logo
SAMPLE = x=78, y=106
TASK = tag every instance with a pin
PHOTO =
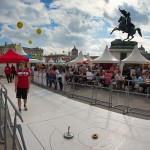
x=23, y=73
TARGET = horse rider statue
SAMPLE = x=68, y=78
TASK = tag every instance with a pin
x=125, y=25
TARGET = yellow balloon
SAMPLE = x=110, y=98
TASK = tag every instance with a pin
x=38, y=31
x=63, y=51
x=30, y=41
x=17, y=47
x=19, y=25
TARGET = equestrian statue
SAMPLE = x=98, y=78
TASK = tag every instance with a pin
x=126, y=26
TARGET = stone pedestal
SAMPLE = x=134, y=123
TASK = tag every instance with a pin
x=122, y=49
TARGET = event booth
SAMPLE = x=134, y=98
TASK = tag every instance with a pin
x=134, y=58
x=79, y=60
x=11, y=57
x=106, y=57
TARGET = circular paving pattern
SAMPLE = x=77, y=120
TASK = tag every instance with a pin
x=105, y=137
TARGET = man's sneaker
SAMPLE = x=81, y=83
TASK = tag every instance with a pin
x=25, y=108
x=20, y=110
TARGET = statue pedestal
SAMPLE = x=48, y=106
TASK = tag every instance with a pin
x=122, y=49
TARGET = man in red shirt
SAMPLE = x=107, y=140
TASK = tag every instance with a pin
x=8, y=73
x=22, y=84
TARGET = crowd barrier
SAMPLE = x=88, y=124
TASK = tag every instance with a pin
x=125, y=99
x=8, y=128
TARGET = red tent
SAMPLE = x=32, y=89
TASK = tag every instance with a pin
x=11, y=57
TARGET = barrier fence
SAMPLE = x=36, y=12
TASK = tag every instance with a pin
x=127, y=97
x=8, y=129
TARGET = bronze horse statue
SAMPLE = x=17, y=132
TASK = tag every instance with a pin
x=127, y=28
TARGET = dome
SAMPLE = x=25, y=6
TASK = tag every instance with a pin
x=141, y=48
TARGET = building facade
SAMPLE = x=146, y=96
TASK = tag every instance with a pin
x=74, y=52
x=33, y=52
x=5, y=48
x=71, y=55
x=144, y=52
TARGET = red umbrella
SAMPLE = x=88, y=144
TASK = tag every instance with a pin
x=11, y=57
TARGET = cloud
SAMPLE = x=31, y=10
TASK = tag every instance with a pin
x=15, y=10
x=107, y=1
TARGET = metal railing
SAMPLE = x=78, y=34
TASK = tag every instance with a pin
x=124, y=99
x=6, y=123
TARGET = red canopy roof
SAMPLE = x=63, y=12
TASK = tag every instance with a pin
x=11, y=57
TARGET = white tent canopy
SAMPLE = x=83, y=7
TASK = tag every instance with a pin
x=79, y=59
x=106, y=57
x=51, y=60
x=20, y=50
x=136, y=57
x=88, y=57
x=60, y=61
x=34, y=60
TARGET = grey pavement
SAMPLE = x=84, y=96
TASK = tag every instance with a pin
x=51, y=111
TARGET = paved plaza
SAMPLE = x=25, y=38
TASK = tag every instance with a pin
x=49, y=115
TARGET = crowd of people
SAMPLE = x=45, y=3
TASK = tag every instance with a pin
x=137, y=78
x=53, y=74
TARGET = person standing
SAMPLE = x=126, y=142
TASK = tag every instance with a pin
x=13, y=71
x=58, y=78
x=22, y=84
x=32, y=72
x=107, y=77
x=8, y=73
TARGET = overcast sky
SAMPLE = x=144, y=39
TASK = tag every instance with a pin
x=64, y=23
